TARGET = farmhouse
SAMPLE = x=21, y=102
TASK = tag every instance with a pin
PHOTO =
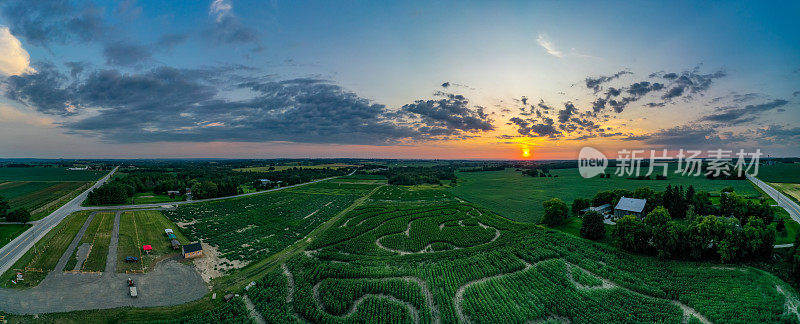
x=630, y=206
x=604, y=209
x=194, y=250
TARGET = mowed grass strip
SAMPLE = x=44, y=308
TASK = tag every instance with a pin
x=138, y=228
x=47, y=252
x=519, y=197
x=99, y=236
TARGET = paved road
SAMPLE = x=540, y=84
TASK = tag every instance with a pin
x=14, y=250
x=783, y=201
x=157, y=205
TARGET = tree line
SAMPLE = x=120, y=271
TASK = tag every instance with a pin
x=680, y=224
x=17, y=215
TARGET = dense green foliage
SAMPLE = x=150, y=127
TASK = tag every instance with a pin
x=555, y=212
x=232, y=312
x=411, y=176
x=780, y=172
x=50, y=174
x=593, y=227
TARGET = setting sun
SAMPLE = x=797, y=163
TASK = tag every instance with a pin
x=526, y=152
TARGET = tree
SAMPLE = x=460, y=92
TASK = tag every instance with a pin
x=579, y=204
x=631, y=234
x=555, y=212
x=603, y=197
x=658, y=220
x=593, y=227
x=19, y=215
x=3, y=207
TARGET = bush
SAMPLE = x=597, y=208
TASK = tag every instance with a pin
x=555, y=212
x=580, y=204
x=593, y=227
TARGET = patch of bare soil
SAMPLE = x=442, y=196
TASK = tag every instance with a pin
x=211, y=265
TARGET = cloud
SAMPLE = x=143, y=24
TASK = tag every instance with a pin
x=11, y=115
x=186, y=105
x=548, y=46
x=530, y=127
x=126, y=54
x=734, y=116
x=14, y=59
x=596, y=83
x=43, y=22
x=689, y=82
x=227, y=27
x=691, y=137
x=795, y=94
x=778, y=134
x=168, y=41
x=565, y=114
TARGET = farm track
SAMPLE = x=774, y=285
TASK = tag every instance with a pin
x=458, y=299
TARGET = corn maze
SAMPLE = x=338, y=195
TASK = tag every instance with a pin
x=444, y=261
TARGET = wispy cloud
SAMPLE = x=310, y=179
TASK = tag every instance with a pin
x=219, y=9
x=548, y=46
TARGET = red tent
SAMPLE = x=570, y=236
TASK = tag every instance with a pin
x=147, y=248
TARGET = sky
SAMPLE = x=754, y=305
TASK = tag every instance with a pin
x=404, y=79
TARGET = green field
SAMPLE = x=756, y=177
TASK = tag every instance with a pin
x=45, y=255
x=520, y=198
x=98, y=234
x=792, y=190
x=251, y=228
x=52, y=174
x=780, y=172
x=9, y=232
x=446, y=261
x=140, y=228
x=38, y=197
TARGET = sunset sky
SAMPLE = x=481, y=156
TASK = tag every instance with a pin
x=405, y=79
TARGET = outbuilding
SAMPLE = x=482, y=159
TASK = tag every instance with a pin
x=630, y=206
x=193, y=250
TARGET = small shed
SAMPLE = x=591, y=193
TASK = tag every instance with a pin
x=171, y=236
x=630, y=206
x=604, y=209
x=193, y=250
x=168, y=231
x=175, y=244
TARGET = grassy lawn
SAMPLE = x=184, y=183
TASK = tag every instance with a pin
x=151, y=198
x=520, y=198
x=140, y=228
x=573, y=227
x=99, y=236
x=47, y=252
x=9, y=232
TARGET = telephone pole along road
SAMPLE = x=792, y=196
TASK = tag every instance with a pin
x=14, y=250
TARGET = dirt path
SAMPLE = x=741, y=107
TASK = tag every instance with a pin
x=111, y=259
x=791, y=302
x=252, y=308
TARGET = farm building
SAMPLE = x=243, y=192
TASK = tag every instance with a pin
x=171, y=236
x=175, y=244
x=168, y=231
x=630, y=206
x=604, y=209
x=193, y=250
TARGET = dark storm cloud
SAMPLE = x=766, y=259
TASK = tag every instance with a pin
x=530, y=127
x=450, y=113
x=43, y=22
x=126, y=54
x=733, y=115
x=169, y=104
x=596, y=84
x=46, y=90
x=565, y=114
x=76, y=68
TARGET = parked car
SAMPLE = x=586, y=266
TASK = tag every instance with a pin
x=131, y=259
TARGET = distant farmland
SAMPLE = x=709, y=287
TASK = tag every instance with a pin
x=48, y=174
x=284, y=167
x=781, y=172
x=520, y=198
x=35, y=195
